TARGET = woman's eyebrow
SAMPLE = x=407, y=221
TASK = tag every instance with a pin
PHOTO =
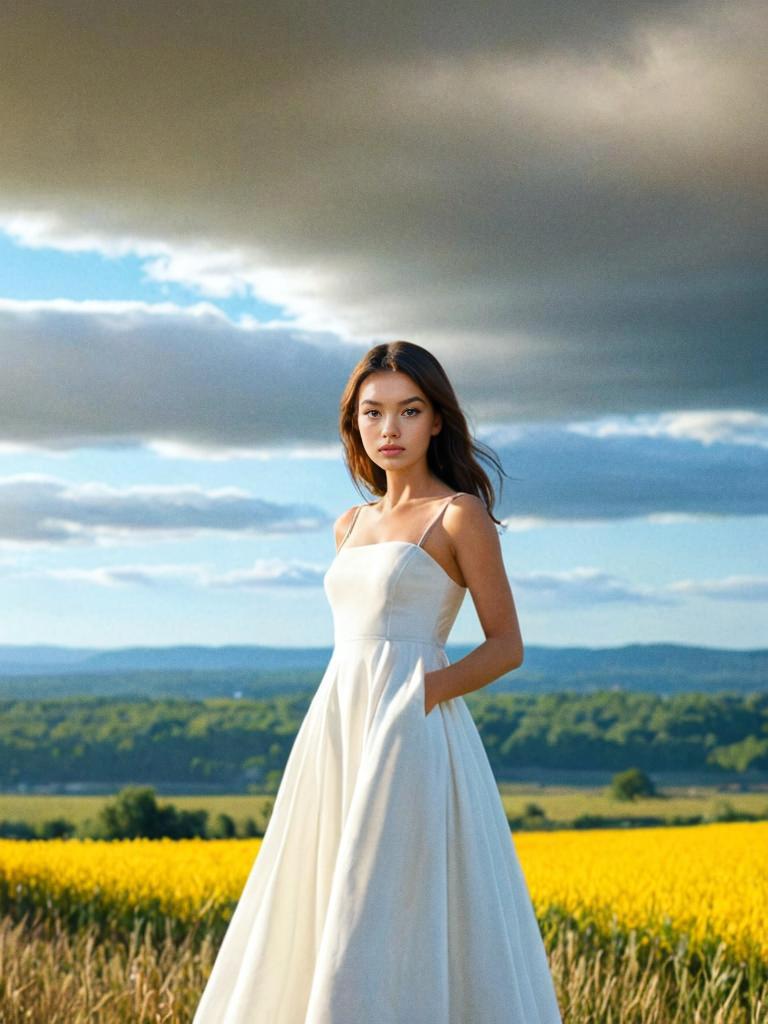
x=414, y=398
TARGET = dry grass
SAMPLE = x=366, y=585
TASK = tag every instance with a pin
x=625, y=981
x=48, y=976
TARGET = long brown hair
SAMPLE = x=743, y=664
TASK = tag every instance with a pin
x=452, y=454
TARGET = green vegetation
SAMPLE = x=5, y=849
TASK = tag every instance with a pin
x=242, y=744
x=631, y=784
x=610, y=730
x=238, y=816
x=97, y=739
x=134, y=813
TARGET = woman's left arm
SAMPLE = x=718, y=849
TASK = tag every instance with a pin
x=478, y=552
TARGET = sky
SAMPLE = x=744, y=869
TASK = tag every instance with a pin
x=208, y=213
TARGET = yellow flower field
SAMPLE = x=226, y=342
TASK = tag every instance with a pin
x=708, y=882
x=703, y=881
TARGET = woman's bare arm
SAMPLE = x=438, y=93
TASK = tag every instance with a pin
x=478, y=553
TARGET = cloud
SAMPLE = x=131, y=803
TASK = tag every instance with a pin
x=558, y=475
x=568, y=207
x=192, y=384
x=122, y=373
x=685, y=466
x=264, y=573
x=582, y=586
x=585, y=585
x=731, y=588
x=36, y=509
x=735, y=426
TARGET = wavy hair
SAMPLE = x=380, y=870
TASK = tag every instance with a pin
x=452, y=454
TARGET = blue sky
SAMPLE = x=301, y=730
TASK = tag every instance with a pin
x=181, y=302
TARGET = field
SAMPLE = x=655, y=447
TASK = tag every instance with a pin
x=561, y=803
x=564, y=804
x=646, y=925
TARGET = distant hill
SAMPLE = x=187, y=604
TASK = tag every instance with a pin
x=50, y=660
x=199, y=671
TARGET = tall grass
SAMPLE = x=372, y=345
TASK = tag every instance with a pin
x=50, y=975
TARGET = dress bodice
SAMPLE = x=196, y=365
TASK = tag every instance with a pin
x=393, y=590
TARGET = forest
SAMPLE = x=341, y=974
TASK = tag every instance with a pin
x=242, y=743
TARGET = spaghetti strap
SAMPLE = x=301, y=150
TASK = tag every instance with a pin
x=435, y=518
x=349, y=528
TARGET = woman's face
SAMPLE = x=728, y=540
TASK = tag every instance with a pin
x=392, y=410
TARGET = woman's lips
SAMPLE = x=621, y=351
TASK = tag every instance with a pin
x=391, y=450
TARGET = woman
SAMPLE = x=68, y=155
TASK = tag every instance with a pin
x=387, y=889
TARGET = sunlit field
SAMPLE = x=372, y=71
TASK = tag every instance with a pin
x=560, y=803
x=641, y=925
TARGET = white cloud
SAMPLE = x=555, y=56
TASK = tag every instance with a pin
x=730, y=588
x=36, y=509
x=264, y=573
x=708, y=426
x=585, y=585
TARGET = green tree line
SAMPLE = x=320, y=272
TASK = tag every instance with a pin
x=241, y=742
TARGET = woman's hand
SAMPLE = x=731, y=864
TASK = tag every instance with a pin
x=430, y=698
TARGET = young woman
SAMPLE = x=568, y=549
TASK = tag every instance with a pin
x=387, y=889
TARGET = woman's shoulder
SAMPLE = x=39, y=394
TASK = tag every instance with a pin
x=467, y=513
x=344, y=521
x=467, y=500
x=469, y=505
x=346, y=517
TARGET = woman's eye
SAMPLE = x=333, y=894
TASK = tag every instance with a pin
x=411, y=408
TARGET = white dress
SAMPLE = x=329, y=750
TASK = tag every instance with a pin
x=387, y=889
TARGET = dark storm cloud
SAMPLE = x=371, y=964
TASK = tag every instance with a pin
x=566, y=203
